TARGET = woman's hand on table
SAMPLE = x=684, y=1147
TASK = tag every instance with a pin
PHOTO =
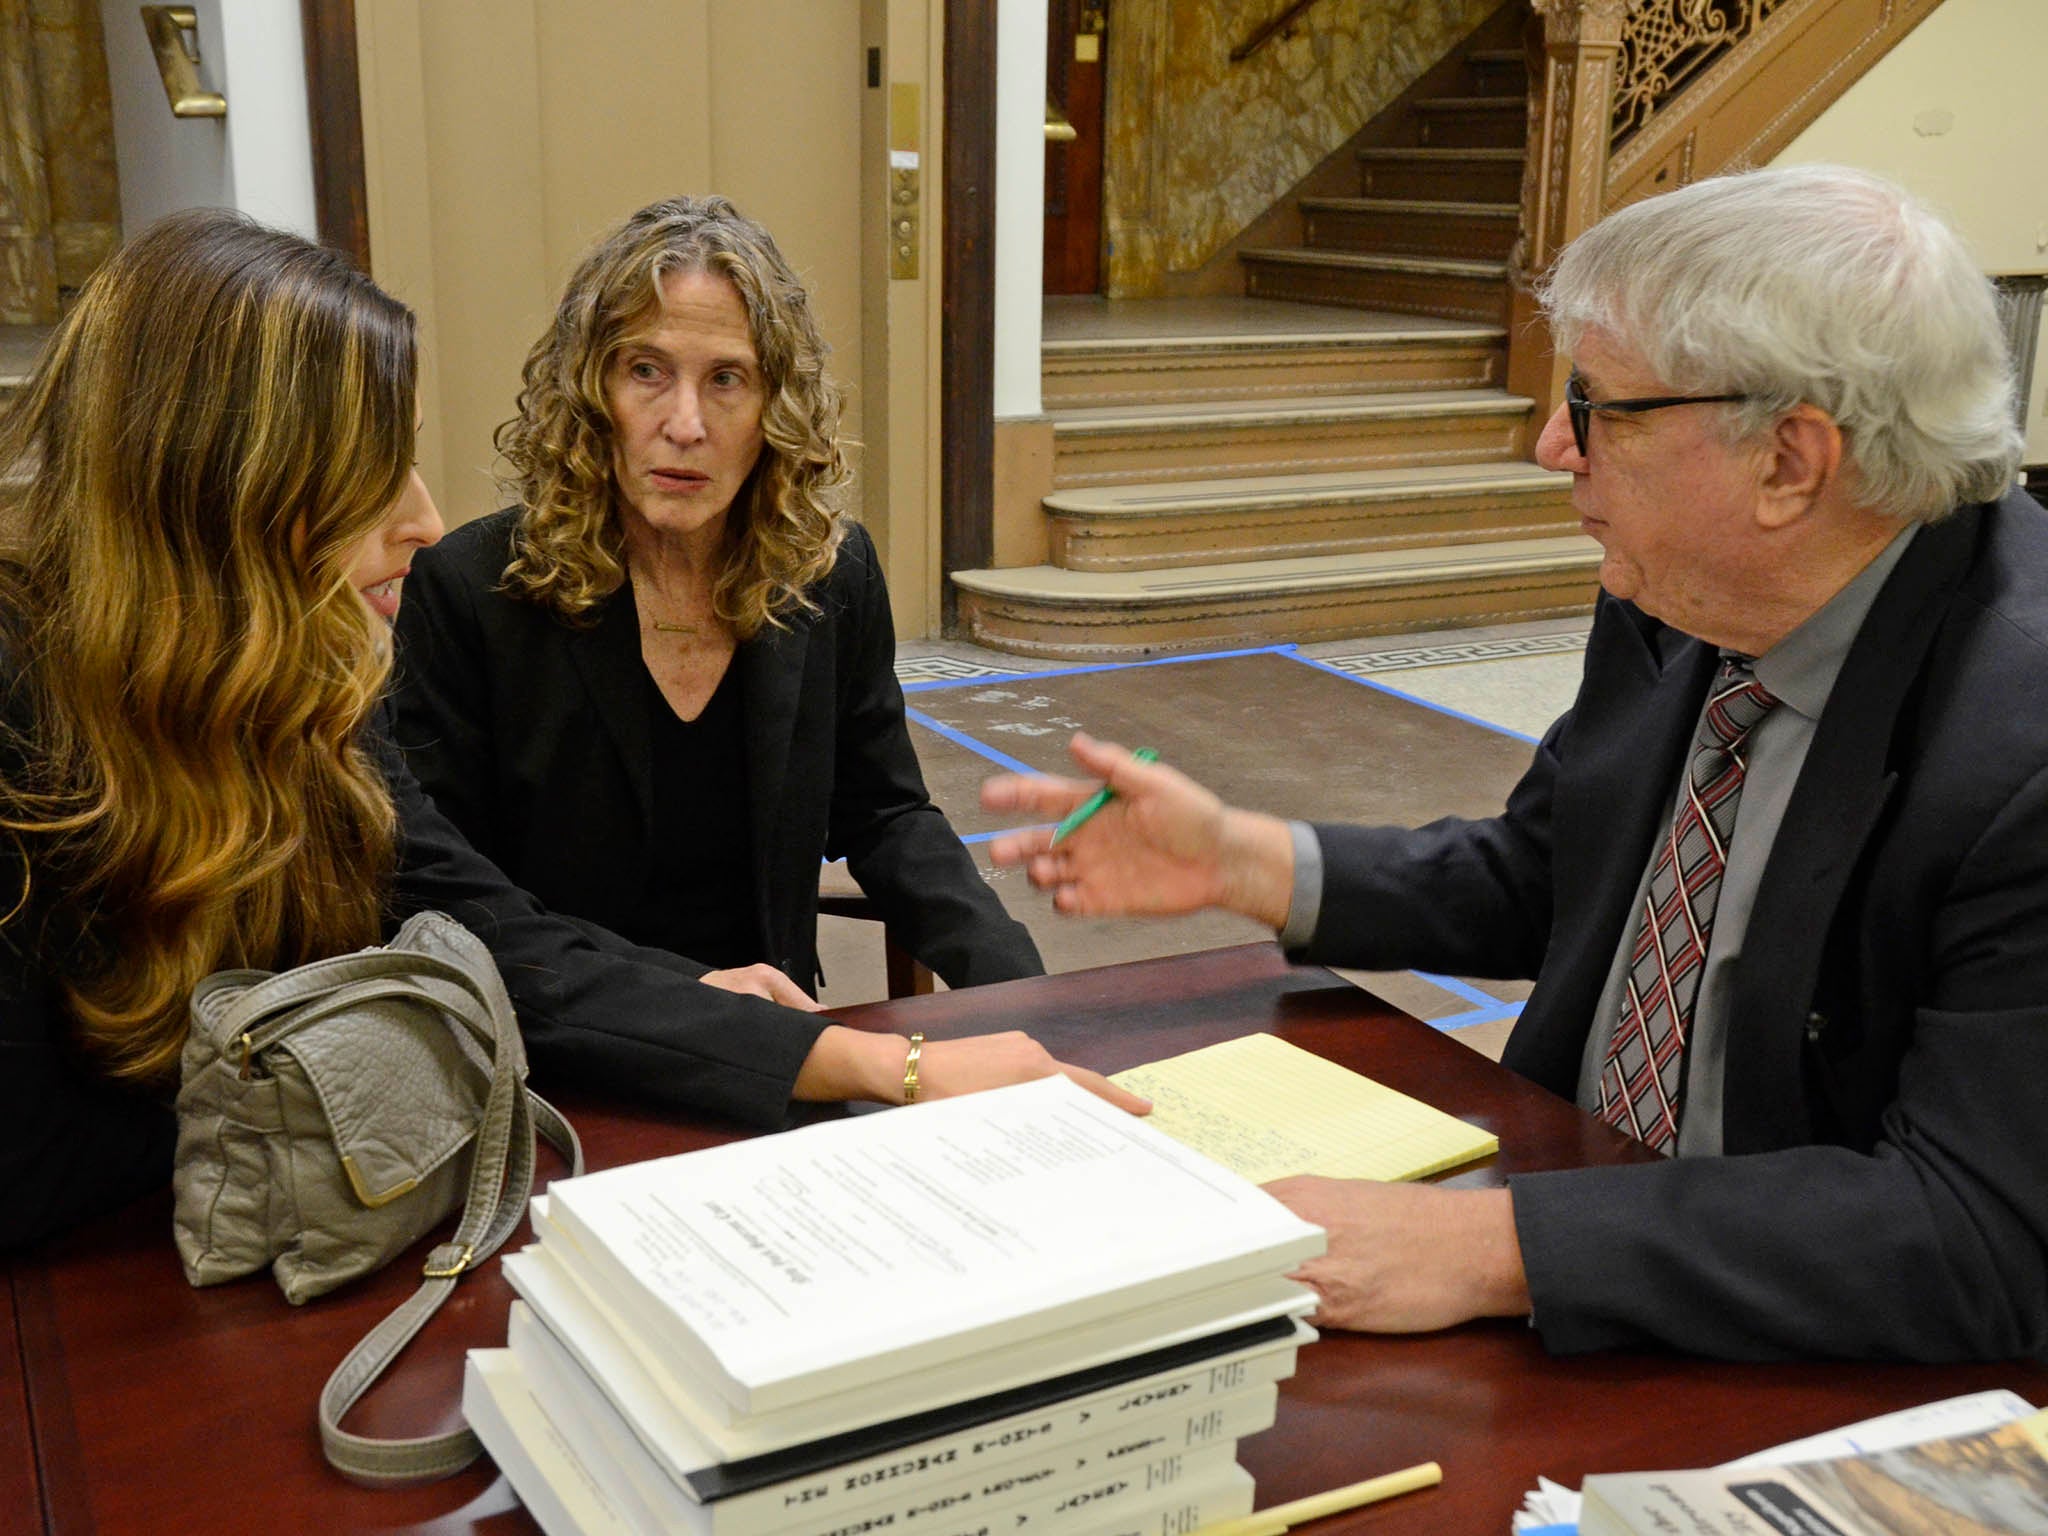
x=762, y=981
x=855, y=1064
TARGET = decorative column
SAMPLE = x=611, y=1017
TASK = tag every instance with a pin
x=1573, y=46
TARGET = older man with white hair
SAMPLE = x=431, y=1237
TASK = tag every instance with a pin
x=1781, y=874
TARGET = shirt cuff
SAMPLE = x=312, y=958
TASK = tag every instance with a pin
x=1306, y=909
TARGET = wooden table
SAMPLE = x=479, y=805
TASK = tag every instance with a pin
x=157, y=1408
x=19, y=1491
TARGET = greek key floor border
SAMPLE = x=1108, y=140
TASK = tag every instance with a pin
x=935, y=669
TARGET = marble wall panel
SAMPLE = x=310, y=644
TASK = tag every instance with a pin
x=1199, y=147
x=28, y=276
x=78, y=136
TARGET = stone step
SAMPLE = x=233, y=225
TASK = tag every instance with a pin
x=1471, y=121
x=1497, y=72
x=1442, y=286
x=1380, y=353
x=1042, y=610
x=1151, y=527
x=1458, y=175
x=1130, y=445
x=20, y=346
x=1401, y=226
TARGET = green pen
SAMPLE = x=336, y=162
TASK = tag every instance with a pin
x=1078, y=816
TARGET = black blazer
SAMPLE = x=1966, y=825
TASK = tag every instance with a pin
x=1885, y=1188
x=532, y=736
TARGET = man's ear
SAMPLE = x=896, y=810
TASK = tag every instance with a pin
x=1802, y=464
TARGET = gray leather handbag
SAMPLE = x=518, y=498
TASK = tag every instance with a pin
x=331, y=1115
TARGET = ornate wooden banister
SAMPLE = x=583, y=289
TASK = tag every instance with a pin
x=1632, y=97
x=1667, y=43
x=1694, y=97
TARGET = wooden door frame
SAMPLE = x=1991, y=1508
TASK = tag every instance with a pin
x=967, y=331
x=334, y=105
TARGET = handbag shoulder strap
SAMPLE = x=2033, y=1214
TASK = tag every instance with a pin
x=366, y=1458
x=501, y=1177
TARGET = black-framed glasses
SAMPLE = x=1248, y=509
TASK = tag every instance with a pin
x=1581, y=409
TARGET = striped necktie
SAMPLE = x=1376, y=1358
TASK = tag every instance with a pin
x=1643, y=1074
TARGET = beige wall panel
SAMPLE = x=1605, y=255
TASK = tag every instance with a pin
x=922, y=320
x=785, y=105
x=874, y=287
x=398, y=193
x=501, y=135
x=1956, y=112
x=901, y=323
x=483, y=142
x=626, y=112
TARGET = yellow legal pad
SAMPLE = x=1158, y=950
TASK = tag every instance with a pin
x=1266, y=1109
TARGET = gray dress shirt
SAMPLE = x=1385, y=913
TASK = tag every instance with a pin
x=1800, y=670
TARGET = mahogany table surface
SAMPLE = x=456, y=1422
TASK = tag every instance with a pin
x=19, y=1504
x=155, y=1407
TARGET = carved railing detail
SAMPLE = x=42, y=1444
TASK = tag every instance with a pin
x=1629, y=98
x=1670, y=43
x=1738, y=91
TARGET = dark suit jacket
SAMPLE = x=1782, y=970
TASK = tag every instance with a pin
x=532, y=736
x=1885, y=1188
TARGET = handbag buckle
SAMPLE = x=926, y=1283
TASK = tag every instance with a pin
x=452, y=1270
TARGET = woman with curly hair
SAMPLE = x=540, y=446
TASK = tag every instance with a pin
x=209, y=507
x=660, y=690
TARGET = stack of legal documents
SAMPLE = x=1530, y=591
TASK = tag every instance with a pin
x=1017, y=1312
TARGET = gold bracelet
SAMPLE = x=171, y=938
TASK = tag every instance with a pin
x=910, y=1069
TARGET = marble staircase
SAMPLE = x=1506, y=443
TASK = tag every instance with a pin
x=1332, y=454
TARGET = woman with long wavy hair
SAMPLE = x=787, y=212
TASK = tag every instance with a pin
x=209, y=509
x=677, y=649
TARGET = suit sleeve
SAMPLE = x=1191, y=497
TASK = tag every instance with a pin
x=597, y=1012
x=1463, y=897
x=898, y=845
x=1931, y=1246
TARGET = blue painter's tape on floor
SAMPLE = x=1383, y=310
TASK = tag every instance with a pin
x=1367, y=682
x=962, y=739
x=1458, y=988
x=971, y=838
x=1493, y=1015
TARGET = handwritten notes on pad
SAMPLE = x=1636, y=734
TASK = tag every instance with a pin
x=1266, y=1109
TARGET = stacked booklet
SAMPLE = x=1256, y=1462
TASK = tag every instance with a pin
x=1993, y=1482
x=1020, y=1311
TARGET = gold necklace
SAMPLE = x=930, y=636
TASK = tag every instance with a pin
x=664, y=626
